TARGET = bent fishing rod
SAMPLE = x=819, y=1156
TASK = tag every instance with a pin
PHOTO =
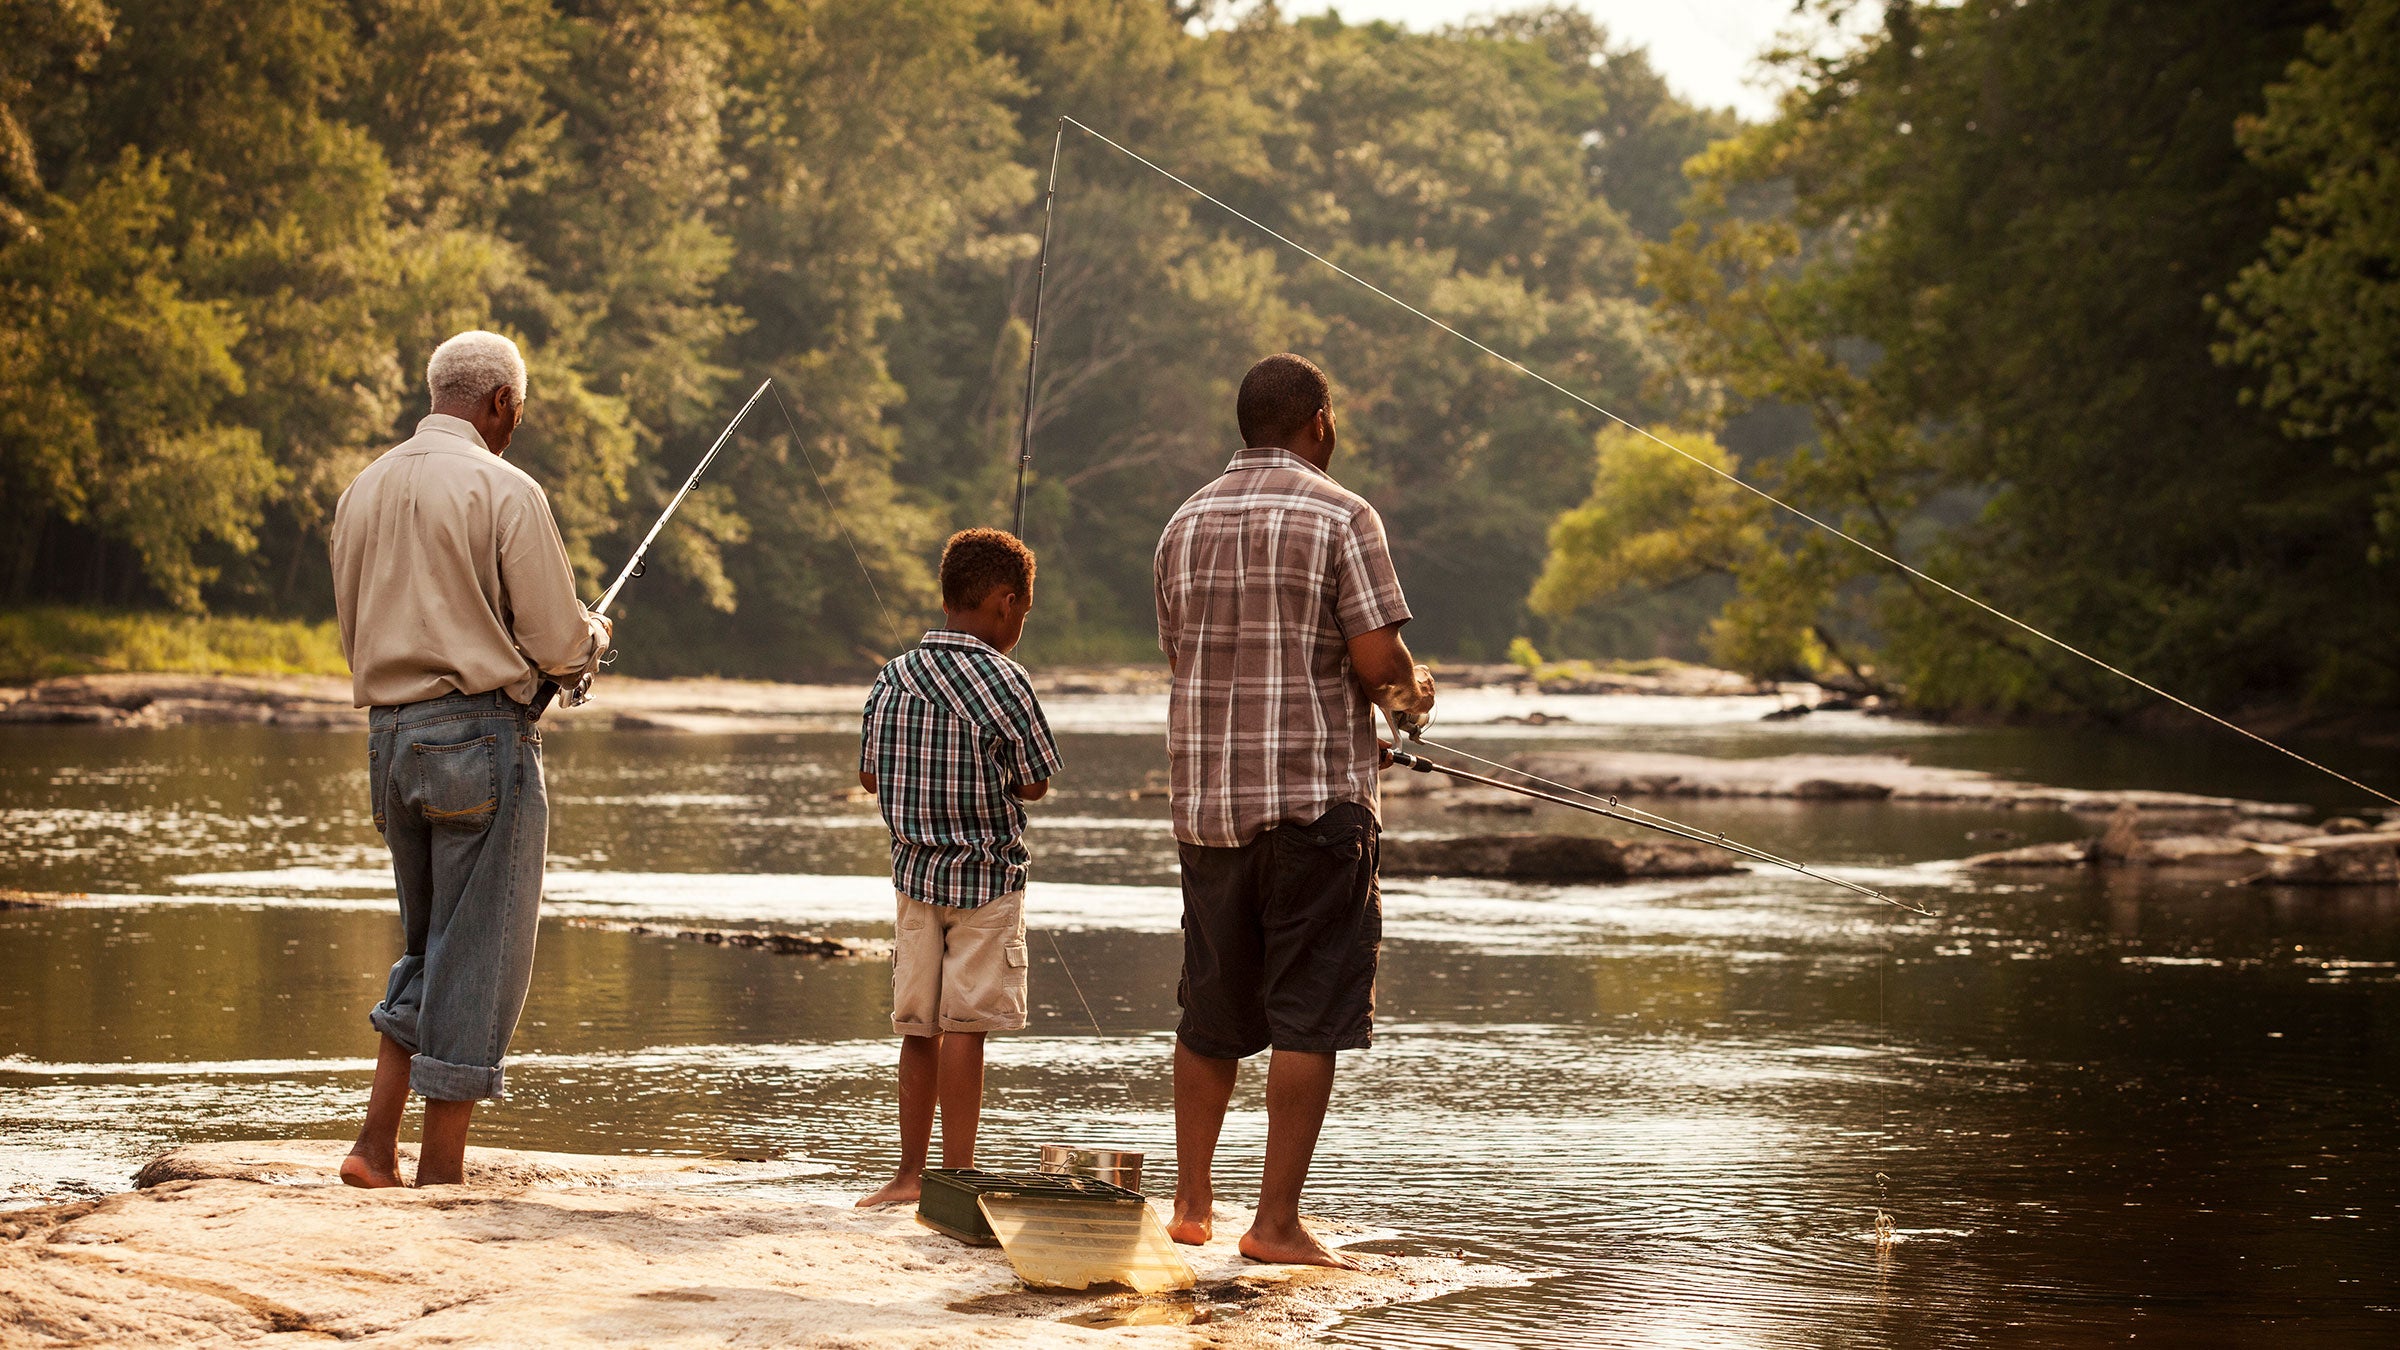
x=579, y=693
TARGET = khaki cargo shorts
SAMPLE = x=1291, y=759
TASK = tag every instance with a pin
x=958, y=969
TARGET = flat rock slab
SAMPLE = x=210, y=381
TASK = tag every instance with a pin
x=2309, y=860
x=572, y=1250
x=305, y=1162
x=1550, y=857
x=1853, y=778
x=2334, y=860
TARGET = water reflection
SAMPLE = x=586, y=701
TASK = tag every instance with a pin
x=2107, y=1106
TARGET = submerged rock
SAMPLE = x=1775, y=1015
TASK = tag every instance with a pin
x=570, y=1250
x=1552, y=857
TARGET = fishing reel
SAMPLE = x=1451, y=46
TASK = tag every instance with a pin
x=579, y=693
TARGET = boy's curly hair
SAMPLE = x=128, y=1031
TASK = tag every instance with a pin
x=975, y=561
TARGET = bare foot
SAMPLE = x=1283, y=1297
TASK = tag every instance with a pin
x=372, y=1174
x=1194, y=1222
x=1296, y=1247
x=900, y=1190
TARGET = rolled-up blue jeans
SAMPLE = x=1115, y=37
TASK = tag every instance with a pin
x=458, y=796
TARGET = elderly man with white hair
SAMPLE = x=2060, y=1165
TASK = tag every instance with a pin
x=456, y=599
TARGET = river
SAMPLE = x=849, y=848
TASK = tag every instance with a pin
x=2095, y=1107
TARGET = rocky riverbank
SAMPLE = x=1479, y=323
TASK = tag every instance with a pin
x=258, y=1244
x=1835, y=778
x=137, y=701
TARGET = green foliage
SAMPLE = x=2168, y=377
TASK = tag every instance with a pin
x=229, y=234
x=1977, y=249
x=50, y=641
x=2319, y=315
x=120, y=388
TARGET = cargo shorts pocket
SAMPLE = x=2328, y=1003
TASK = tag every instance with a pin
x=459, y=785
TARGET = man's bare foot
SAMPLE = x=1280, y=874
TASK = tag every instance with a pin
x=372, y=1174
x=900, y=1190
x=1295, y=1247
x=1194, y=1223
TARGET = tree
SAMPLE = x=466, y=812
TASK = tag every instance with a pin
x=121, y=390
x=2319, y=315
x=1988, y=289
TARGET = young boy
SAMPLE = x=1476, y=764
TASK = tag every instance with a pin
x=954, y=742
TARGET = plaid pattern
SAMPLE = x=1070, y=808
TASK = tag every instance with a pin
x=950, y=727
x=1263, y=577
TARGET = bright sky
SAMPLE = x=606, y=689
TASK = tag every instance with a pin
x=1707, y=49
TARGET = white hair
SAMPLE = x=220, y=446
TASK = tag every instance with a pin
x=473, y=364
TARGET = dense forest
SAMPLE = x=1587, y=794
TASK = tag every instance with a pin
x=2091, y=307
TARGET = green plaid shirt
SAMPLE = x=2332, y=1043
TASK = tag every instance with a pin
x=950, y=727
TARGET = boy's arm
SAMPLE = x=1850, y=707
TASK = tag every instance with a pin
x=1031, y=756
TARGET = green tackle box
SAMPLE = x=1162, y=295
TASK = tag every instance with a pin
x=946, y=1203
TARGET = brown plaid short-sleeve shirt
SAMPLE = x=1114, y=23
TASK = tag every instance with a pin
x=1263, y=578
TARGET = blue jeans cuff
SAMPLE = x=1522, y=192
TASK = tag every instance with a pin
x=441, y=1081
x=399, y=1028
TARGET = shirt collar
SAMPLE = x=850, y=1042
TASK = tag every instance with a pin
x=455, y=426
x=1273, y=457
x=951, y=637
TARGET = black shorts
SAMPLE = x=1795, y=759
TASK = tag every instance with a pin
x=1280, y=938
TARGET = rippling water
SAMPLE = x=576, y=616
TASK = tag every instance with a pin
x=2096, y=1108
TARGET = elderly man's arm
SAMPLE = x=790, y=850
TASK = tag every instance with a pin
x=549, y=624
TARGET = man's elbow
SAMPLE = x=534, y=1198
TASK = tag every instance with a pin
x=1033, y=792
x=866, y=780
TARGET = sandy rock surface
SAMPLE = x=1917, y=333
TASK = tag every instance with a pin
x=1851, y=778
x=255, y=1244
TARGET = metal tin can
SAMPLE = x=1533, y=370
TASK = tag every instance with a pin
x=1117, y=1166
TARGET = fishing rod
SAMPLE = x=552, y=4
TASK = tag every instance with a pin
x=1648, y=821
x=581, y=691
x=1033, y=350
x=1828, y=527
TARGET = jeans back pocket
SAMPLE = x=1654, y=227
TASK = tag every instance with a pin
x=458, y=785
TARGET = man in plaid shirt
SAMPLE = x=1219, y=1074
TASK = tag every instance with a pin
x=954, y=744
x=1280, y=611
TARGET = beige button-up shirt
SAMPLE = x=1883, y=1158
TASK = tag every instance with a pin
x=450, y=576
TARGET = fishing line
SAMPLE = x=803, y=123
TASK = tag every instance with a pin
x=1072, y=982
x=1693, y=832
x=1837, y=532
x=1033, y=348
x=890, y=629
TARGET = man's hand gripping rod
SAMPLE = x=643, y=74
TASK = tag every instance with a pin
x=580, y=692
x=1611, y=810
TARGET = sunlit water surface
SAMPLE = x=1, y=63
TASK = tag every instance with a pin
x=2096, y=1108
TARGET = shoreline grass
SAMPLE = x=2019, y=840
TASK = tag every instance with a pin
x=49, y=641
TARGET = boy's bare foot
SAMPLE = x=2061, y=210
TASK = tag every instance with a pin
x=1194, y=1222
x=900, y=1190
x=372, y=1174
x=1296, y=1247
